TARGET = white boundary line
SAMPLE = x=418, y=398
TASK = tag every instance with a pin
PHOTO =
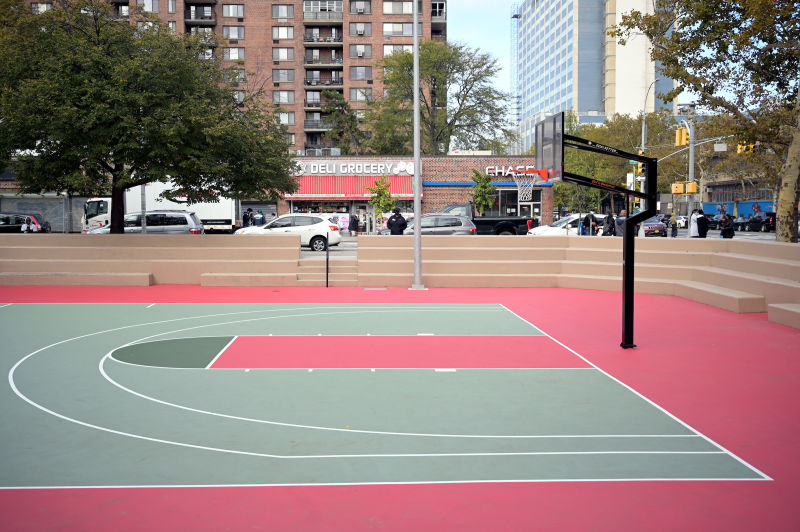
x=220, y=353
x=664, y=410
x=6, y=305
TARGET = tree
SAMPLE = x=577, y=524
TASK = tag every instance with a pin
x=483, y=194
x=380, y=197
x=91, y=105
x=740, y=58
x=344, y=121
x=458, y=99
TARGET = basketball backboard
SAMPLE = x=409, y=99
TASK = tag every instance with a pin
x=550, y=146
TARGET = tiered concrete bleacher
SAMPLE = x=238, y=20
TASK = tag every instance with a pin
x=210, y=260
x=741, y=276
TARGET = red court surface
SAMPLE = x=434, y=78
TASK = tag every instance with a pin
x=397, y=352
x=733, y=377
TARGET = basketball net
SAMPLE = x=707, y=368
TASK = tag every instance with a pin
x=525, y=179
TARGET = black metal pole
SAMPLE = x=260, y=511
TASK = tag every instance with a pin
x=327, y=256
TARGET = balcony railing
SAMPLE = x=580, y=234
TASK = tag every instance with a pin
x=197, y=18
x=316, y=124
x=322, y=15
x=314, y=103
x=323, y=82
x=330, y=39
x=322, y=61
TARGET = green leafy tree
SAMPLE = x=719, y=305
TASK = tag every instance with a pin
x=739, y=58
x=458, y=98
x=93, y=105
x=345, y=128
x=483, y=194
x=380, y=197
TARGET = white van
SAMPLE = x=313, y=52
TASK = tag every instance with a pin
x=567, y=226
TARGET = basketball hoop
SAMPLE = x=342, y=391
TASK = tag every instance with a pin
x=525, y=180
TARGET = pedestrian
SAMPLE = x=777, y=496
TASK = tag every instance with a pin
x=353, y=224
x=609, y=227
x=589, y=224
x=247, y=217
x=258, y=218
x=28, y=226
x=702, y=224
x=693, y=233
x=619, y=223
x=673, y=224
x=396, y=224
x=727, y=229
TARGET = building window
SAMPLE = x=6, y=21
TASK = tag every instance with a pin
x=282, y=11
x=41, y=7
x=360, y=72
x=318, y=6
x=232, y=54
x=389, y=49
x=400, y=29
x=438, y=9
x=148, y=5
x=282, y=75
x=282, y=96
x=286, y=119
x=200, y=29
x=360, y=28
x=233, y=10
x=173, y=26
x=239, y=96
x=360, y=95
x=398, y=8
x=282, y=32
x=283, y=54
x=235, y=75
x=289, y=137
x=360, y=6
x=123, y=11
x=360, y=50
x=233, y=32
x=171, y=6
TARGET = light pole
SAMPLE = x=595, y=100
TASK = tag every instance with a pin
x=644, y=114
x=689, y=123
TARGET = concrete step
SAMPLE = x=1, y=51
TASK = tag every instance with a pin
x=75, y=279
x=785, y=313
x=248, y=279
x=148, y=253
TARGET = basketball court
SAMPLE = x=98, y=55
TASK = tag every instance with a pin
x=349, y=408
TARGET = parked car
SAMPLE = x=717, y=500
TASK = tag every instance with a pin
x=663, y=218
x=683, y=221
x=443, y=224
x=654, y=227
x=739, y=223
x=315, y=231
x=12, y=222
x=173, y=222
x=752, y=224
x=567, y=226
x=389, y=231
x=714, y=220
x=769, y=222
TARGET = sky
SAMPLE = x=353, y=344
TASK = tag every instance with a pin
x=486, y=25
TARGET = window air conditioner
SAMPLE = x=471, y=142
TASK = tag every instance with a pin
x=360, y=32
x=369, y=82
x=276, y=62
x=240, y=20
x=277, y=84
x=360, y=10
x=275, y=41
x=360, y=54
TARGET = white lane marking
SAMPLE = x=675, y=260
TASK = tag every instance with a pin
x=6, y=305
x=661, y=408
x=221, y=351
x=380, y=483
x=150, y=305
x=445, y=370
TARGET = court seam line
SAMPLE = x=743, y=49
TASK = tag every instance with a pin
x=409, y=482
x=220, y=353
x=664, y=410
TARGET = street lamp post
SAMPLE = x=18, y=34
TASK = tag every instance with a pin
x=644, y=113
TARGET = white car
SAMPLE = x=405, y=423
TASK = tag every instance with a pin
x=315, y=231
x=567, y=226
x=682, y=221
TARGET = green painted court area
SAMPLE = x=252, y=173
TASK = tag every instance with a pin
x=122, y=395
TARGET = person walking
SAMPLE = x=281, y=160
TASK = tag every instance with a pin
x=609, y=227
x=693, y=233
x=702, y=224
x=727, y=230
x=673, y=224
x=619, y=223
x=396, y=224
x=589, y=224
x=247, y=217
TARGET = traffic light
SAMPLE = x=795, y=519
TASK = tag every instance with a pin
x=677, y=188
x=640, y=168
x=744, y=148
x=691, y=187
x=681, y=136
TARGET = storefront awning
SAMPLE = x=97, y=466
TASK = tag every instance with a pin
x=348, y=187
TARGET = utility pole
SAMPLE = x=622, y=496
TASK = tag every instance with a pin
x=417, y=184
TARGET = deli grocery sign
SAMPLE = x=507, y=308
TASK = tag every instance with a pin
x=376, y=168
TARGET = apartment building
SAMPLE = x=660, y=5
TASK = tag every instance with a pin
x=567, y=62
x=294, y=50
